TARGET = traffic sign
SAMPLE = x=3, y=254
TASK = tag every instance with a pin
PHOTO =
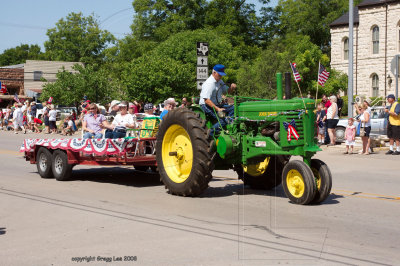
x=202, y=73
x=395, y=59
x=202, y=48
x=199, y=84
x=202, y=61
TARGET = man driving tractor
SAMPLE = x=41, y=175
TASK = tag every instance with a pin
x=211, y=98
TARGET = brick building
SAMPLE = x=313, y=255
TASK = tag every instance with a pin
x=13, y=78
x=376, y=42
x=26, y=79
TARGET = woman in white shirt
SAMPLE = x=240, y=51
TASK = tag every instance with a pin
x=332, y=120
x=365, y=120
x=121, y=122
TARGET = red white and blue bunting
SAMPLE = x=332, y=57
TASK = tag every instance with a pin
x=90, y=146
x=291, y=130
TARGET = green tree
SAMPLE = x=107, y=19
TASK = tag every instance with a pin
x=156, y=20
x=20, y=54
x=69, y=88
x=78, y=39
x=156, y=78
x=258, y=78
x=311, y=17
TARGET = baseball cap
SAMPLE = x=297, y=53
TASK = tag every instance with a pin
x=88, y=101
x=122, y=105
x=391, y=96
x=131, y=105
x=148, y=106
x=220, y=69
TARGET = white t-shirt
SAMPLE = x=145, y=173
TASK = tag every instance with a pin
x=52, y=115
x=366, y=124
x=70, y=123
x=120, y=121
x=18, y=116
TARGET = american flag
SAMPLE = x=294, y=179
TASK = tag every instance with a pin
x=50, y=100
x=296, y=74
x=323, y=75
x=3, y=88
x=16, y=98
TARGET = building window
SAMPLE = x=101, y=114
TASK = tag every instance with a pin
x=375, y=40
x=346, y=49
x=375, y=85
x=37, y=75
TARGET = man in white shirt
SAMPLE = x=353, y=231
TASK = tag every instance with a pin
x=18, y=118
x=211, y=97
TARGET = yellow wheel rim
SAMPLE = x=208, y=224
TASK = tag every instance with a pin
x=317, y=177
x=258, y=168
x=177, y=153
x=295, y=183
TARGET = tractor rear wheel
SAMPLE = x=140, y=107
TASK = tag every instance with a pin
x=267, y=178
x=323, y=179
x=298, y=182
x=183, y=153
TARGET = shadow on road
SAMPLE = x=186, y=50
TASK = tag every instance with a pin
x=117, y=175
x=2, y=230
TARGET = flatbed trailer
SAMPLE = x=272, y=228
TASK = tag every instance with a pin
x=56, y=157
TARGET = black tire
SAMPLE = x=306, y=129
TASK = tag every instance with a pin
x=340, y=134
x=62, y=171
x=298, y=173
x=271, y=178
x=198, y=173
x=44, y=162
x=323, y=177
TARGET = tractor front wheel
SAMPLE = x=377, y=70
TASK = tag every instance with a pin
x=183, y=153
x=323, y=178
x=298, y=182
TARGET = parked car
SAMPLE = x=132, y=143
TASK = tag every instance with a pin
x=378, y=123
x=64, y=111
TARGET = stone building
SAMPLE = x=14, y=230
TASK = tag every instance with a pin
x=376, y=42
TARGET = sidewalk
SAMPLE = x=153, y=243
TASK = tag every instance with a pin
x=357, y=146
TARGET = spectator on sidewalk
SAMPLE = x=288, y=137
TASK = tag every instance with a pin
x=365, y=121
x=350, y=136
x=68, y=128
x=339, y=104
x=53, y=119
x=321, y=119
x=332, y=120
x=393, y=129
x=46, y=117
x=326, y=104
x=18, y=118
x=36, y=123
x=33, y=109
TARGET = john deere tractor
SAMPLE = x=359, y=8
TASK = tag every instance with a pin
x=257, y=143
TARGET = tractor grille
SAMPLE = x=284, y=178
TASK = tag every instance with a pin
x=299, y=123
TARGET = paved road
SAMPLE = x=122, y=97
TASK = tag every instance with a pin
x=116, y=212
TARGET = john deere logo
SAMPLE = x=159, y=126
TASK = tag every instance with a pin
x=267, y=113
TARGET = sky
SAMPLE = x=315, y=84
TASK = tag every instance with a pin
x=27, y=21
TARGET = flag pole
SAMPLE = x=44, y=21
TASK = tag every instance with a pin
x=298, y=86
x=316, y=95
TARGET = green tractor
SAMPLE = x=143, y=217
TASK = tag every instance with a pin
x=257, y=143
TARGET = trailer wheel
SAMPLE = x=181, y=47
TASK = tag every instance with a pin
x=183, y=157
x=298, y=182
x=43, y=163
x=268, y=178
x=62, y=171
x=323, y=178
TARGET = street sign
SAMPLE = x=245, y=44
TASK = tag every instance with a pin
x=202, y=73
x=199, y=84
x=395, y=59
x=202, y=61
x=202, y=48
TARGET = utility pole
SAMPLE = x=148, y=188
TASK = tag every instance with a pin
x=350, y=74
